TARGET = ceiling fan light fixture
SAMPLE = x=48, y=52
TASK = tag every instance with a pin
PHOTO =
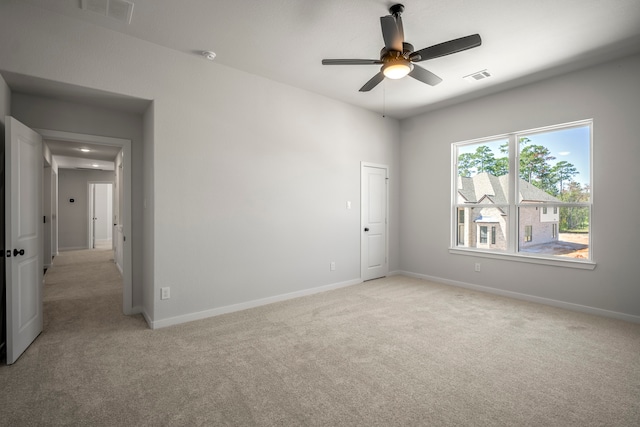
x=397, y=68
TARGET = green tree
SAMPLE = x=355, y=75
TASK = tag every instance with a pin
x=482, y=160
x=564, y=173
x=466, y=164
x=501, y=167
x=574, y=218
x=485, y=159
x=535, y=167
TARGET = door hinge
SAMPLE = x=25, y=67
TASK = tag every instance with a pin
x=44, y=219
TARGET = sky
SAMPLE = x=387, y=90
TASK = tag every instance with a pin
x=571, y=145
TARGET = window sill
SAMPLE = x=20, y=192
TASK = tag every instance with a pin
x=569, y=263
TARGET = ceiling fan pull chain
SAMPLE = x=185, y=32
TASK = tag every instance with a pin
x=384, y=98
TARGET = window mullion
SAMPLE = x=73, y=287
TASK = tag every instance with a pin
x=512, y=245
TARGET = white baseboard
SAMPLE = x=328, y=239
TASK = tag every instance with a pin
x=526, y=297
x=171, y=321
x=147, y=318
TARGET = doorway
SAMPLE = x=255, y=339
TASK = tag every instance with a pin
x=122, y=201
x=374, y=209
x=101, y=215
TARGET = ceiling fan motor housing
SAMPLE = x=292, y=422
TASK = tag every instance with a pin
x=407, y=49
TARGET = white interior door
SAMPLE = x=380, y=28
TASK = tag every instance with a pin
x=23, y=222
x=374, y=221
x=100, y=215
x=47, y=256
x=54, y=214
x=92, y=216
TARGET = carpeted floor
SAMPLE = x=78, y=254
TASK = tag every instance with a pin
x=390, y=352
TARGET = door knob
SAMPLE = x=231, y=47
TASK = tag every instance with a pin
x=18, y=252
x=366, y=229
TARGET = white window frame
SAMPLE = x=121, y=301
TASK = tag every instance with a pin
x=512, y=252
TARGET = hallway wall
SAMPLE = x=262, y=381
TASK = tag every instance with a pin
x=46, y=113
x=73, y=218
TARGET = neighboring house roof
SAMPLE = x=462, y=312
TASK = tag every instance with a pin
x=484, y=186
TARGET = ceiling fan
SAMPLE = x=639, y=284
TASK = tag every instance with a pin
x=397, y=56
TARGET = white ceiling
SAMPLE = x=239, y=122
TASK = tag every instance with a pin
x=285, y=40
x=69, y=155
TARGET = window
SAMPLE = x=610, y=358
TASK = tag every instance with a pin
x=461, y=227
x=528, y=233
x=483, y=234
x=525, y=184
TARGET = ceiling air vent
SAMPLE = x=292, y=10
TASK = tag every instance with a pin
x=119, y=10
x=477, y=76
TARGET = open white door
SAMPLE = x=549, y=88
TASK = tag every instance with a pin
x=100, y=215
x=23, y=223
x=373, y=208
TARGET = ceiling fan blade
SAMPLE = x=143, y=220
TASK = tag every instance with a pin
x=446, y=48
x=391, y=34
x=425, y=76
x=350, y=61
x=375, y=80
x=400, y=28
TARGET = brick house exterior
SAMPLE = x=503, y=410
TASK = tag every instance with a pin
x=482, y=223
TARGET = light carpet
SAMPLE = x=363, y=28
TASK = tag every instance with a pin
x=391, y=352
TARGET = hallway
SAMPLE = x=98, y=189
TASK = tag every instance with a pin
x=82, y=316
x=82, y=274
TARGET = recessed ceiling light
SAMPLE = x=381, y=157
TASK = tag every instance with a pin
x=85, y=150
x=209, y=55
x=95, y=165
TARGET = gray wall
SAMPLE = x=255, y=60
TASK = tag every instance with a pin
x=5, y=103
x=148, y=288
x=46, y=113
x=73, y=218
x=610, y=94
x=243, y=182
x=246, y=181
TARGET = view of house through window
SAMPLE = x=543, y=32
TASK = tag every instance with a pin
x=525, y=193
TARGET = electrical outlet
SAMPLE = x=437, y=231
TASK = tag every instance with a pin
x=165, y=293
x=333, y=266
x=477, y=267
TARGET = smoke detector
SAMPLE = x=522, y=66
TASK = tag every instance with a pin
x=120, y=10
x=209, y=55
